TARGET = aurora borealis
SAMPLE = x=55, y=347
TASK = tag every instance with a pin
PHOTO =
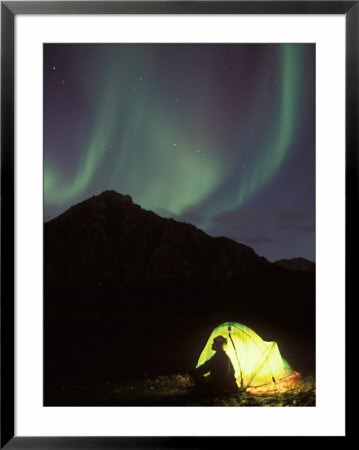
x=218, y=135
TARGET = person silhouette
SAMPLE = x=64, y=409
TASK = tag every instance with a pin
x=221, y=372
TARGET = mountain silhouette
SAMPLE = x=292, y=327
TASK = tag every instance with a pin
x=298, y=264
x=108, y=246
x=109, y=240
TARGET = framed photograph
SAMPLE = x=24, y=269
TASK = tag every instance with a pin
x=178, y=193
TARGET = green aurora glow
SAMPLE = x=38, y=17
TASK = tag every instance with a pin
x=147, y=139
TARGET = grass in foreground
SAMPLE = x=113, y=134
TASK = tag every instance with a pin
x=177, y=390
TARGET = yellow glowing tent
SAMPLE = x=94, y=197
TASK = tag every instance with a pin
x=255, y=361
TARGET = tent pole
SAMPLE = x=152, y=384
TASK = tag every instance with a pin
x=235, y=351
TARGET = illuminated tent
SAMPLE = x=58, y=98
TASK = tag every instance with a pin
x=255, y=361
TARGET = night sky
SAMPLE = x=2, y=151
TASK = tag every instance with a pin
x=221, y=136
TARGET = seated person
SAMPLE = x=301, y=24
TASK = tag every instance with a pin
x=220, y=368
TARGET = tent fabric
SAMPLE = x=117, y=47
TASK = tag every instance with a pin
x=256, y=362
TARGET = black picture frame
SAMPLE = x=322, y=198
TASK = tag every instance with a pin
x=9, y=9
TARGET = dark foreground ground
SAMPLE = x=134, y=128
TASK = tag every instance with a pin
x=178, y=390
x=145, y=361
